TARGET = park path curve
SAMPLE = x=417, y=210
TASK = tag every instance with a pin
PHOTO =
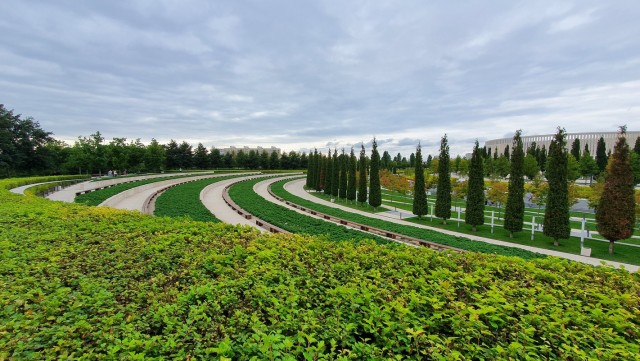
x=296, y=188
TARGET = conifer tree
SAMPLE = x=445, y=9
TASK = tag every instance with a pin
x=342, y=192
x=556, y=214
x=615, y=214
x=351, y=186
x=319, y=168
x=601, y=155
x=362, y=181
x=636, y=147
x=506, y=152
x=335, y=174
x=420, y=206
x=310, y=175
x=575, y=149
x=474, y=214
x=443, y=195
x=328, y=174
x=375, y=193
x=514, y=211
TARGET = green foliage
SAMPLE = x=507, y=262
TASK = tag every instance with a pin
x=362, y=176
x=421, y=233
x=344, y=164
x=556, y=214
x=601, y=155
x=420, y=207
x=98, y=196
x=474, y=214
x=443, y=196
x=335, y=174
x=98, y=283
x=184, y=201
x=375, y=195
x=615, y=214
x=588, y=165
x=292, y=221
x=328, y=174
x=514, y=210
x=351, y=188
x=530, y=166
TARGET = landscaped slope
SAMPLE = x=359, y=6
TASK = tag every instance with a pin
x=97, y=283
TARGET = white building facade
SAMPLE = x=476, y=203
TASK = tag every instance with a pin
x=590, y=139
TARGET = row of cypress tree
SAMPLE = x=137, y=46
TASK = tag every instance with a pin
x=336, y=175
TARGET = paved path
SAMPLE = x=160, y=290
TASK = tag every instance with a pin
x=69, y=194
x=20, y=190
x=211, y=197
x=296, y=188
x=135, y=198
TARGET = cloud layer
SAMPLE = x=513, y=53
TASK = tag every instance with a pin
x=300, y=74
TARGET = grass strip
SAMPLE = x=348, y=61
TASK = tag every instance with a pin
x=184, y=201
x=96, y=197
x=292, y=221
x=425, y=234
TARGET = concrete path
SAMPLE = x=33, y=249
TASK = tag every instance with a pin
x=296, y=188
x=211, y=197
x=20, y=190
x=135, y=198
x=69, y=194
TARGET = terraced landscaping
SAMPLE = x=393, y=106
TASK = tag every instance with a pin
x=98, y=196
x=184, y=201
x=292, y=221
x=427, y=235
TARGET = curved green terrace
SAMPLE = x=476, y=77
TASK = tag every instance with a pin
x=421, y=233
x=245, y=197
x=96, y=197
x=183, y=200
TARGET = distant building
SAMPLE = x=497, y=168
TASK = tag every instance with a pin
x=590, y=139
x=234, y=150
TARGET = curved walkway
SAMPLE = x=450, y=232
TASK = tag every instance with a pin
x=20, y=190
x=69, y=194
x=297, y=188
x=136, y=198
x=211, y=197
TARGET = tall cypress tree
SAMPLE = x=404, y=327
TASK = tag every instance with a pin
x=351, y=187
x=636, y=147
x=319, y=169
x=601, y=155
x=310, y=173
x=335, y=174
x=506, y=152
x=575, y=149
x=342, y=192
x=556, y=214
x=615, y=214
x=514, y=211
x=375, y=193
x=474, y=214
x=362, y=181
x=328, y=174
x=420, y=206
x=443, y=195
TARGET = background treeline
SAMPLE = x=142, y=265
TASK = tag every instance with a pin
x=27, y=149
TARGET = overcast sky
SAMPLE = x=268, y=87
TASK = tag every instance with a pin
x=297, y=74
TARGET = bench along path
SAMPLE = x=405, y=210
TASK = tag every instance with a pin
x=296, y=187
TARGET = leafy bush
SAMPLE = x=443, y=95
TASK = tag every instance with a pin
x=98, y=283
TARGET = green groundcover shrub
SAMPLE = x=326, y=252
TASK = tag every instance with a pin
x=80, y=282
